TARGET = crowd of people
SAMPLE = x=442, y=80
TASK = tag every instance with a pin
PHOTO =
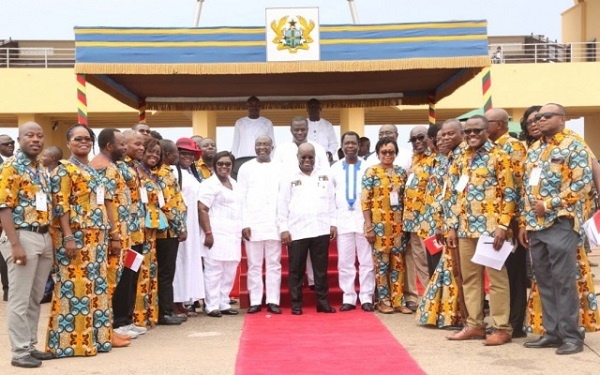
x=148, y=230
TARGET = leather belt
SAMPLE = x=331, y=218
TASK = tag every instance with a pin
x=36, y=229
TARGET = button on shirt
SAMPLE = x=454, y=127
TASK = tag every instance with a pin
x=258, y=183
x=245, y=133
x=306, y=205
x=20, y=181
x=322, y=132
x=347, y=183
x=564, y=182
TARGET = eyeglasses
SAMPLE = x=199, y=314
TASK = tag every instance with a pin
x=475, y=131
x=386, y=133
x=5, y=144
x=224, y=164
x=387, y=152
x=547, y=115
x=82, y=139
x=419, y=138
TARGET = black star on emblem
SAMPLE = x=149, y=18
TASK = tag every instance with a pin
x=292, y=23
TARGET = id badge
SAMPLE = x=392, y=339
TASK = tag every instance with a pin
x=462, y=183
x=41, y=202
x=143, y=195
x=394, y=199
x=534, y=177
x=409, y=179
x=100, y=195
x=161, y=199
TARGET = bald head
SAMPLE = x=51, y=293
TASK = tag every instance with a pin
x=388, y=131
x=498, y=122
x=31, y=139
x=306, y=157
x=451, y=133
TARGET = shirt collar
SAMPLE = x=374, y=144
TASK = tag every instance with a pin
x=556, y=139
x=22, y=159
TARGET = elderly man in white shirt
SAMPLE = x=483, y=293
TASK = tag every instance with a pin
x=245, y=132
x=320, y=130
x=258, y=182
x=346, y=176
x=306, y=219
x=403, y=157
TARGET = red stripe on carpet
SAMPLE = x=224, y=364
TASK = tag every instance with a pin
x=353, y=342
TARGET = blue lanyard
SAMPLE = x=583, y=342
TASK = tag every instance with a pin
x=96, y=178
x=351, y=199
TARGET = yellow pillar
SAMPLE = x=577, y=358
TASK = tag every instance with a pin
x=352, y=119
x=204, y=123
x=516, y=114
x=591, y=130
x=54, y=132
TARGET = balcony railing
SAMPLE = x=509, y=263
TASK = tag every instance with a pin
x=506, y=53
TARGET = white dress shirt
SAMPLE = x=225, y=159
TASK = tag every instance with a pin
x=306, y=204
x=287, y=156
x=245, y=133
x=258, y=184
x=403, y=159
x=322, y=132
x=348, y=220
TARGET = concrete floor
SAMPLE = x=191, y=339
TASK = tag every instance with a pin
x=206, y=345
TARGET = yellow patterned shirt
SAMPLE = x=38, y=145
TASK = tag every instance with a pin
x=136, y=209
x=564, y=164
x=433, y=192
x=415, y=218
x=483, y=191
x=118, y=193
x=203, y=169
x=21, y=179
x=174, y=208
x=517, y=153
x=152, y=219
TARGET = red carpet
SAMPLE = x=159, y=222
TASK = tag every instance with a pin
x=352, y=342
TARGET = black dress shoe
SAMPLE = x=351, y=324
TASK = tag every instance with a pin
x=325, y=309
x=229, y=312
x=569, y=348
x=42, y=356
x=544, y=342
x=519, y=334
x=296, y=311
x=253, y=309
x=27, y=362
x=214, y=314
x=368, y=307
x=347, y=307
x=169, y=320
x=273, y=308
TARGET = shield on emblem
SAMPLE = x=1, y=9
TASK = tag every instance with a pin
x=293, y=38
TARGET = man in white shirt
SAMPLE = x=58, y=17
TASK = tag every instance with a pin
x=287, y=153
x=246, y=130
x=403, y=158
x=258, y=183
x=346, y=176
x=306, y=219
x=321, y=131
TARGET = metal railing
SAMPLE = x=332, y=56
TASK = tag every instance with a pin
x=520, y=53
x=43, y=57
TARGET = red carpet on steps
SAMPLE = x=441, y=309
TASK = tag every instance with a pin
x=352, y=342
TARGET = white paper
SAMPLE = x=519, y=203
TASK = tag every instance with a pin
x=143, y=194
x=41, y=201
x=462, y=183
x=534, y=176
x=487, y=256
x=100, y=195
x=394, y=199
x=134, y=260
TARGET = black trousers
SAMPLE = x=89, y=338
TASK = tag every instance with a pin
x=432, y=262
x=298, y=250
x=516, y=267
x=166, y=257
x=4, y=274
x=125, y=294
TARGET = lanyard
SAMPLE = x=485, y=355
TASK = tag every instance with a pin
x=96, y=178
x=351, y=187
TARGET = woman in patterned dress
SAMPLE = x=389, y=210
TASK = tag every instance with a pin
x=145, y=313
x=80, y=321
x=382, y=189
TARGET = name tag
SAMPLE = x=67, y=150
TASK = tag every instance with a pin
x=394, y=199
x=409, y=179
x=143, y=195
x=41, y=202
x=534, y=176
x=100, y=195
x=462, y=183
x=161, y=199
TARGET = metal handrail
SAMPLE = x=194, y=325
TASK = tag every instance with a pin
x=43, y=57
x=523, y=53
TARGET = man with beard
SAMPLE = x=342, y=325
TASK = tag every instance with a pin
x=205, y=161
x=117, y=201
x=24, y=200
x=306, y=219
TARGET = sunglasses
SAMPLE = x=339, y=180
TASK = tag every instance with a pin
x=387, y=152
x=547, y=115
x=475, y=131
x=82, y=139
x=5, y=144
x=419, y=138
x=224, y=164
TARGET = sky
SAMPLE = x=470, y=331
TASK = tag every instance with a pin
x=54, y=20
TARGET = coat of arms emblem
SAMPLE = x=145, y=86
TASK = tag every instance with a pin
x=292, y=33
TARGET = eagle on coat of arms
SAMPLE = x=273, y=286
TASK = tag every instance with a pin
x=292, y=38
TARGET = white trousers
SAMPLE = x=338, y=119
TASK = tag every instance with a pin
x=352, y=246
x=270, y=252
x=219, y=276
x=416, y=266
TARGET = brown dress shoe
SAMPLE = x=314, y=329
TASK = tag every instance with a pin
x=498, y=337
x=384, y=308
x=468, y=333
x=119, y=341
x=403, y=310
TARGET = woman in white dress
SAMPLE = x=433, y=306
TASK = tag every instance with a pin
x=188, y=284
x=222, y=226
